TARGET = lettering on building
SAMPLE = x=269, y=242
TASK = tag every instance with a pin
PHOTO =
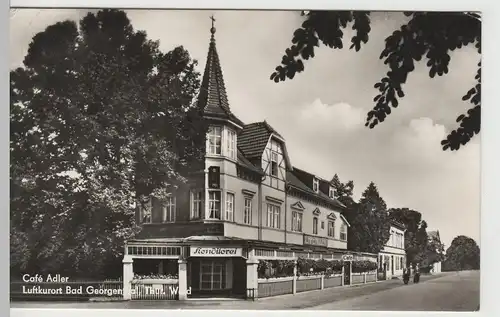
x=215, y=251
x=312, y=240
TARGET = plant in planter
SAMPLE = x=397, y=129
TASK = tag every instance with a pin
x=320, y=266
x=363, y=266
x=304, y=266
x=336, y=266
x=284, y=268
x=264, y=269
x=275, y=268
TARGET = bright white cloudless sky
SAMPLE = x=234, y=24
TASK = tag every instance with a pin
x=321, y=112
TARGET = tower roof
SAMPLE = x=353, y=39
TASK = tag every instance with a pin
x=213, y=95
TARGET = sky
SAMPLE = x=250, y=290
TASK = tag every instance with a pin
x=322, y=111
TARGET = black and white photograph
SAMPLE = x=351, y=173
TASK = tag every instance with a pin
x=245, y=159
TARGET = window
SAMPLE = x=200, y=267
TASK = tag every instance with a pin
x=247, y=211
x=296, y=221
x=196, y=204
x=396, y=264
x=145, y=209
x=322, y=225
x=401, y=262
x=331, y=229
x=315, y=185
x=315, y=225
x=274, y=164
x=215, y=140
x=231, y=144
x=214, y=204
x=343, y=232
x=273, y=216
x=212, y=275
x=168, y=209
x=229, y=207
x=331, y=192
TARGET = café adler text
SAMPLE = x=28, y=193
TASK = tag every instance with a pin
x=50, y=278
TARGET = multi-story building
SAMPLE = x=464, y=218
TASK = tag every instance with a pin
x=249, y=203
x=392, y=258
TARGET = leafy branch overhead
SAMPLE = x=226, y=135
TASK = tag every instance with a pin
x=430, y=35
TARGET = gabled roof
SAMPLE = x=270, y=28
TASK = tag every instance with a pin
x=244, y=162
x=213, y=96
x=252, y=140
x=433, y=235
x=295, y=182
x=398, y=225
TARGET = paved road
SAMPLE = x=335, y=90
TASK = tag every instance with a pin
x=462, y=290
x=452, y=292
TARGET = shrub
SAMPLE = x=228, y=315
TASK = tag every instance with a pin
x=275, y=268
x=363, y=266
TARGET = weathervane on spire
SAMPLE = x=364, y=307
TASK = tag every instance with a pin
x=212, y=30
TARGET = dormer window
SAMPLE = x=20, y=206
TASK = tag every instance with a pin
x=215, y=140
x=331, y=192
x=316, y=185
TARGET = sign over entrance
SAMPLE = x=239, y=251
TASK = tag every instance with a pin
x=215, y=251
x=313, y=240
x=347, y=258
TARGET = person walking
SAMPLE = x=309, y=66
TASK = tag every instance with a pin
x=406, y=275
x=416, y=275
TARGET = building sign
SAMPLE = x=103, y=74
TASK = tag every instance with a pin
x=313, y=240
x=347, y=258
x=215, y=251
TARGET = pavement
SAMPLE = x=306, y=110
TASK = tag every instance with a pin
x=457, y=291
x=446, y=291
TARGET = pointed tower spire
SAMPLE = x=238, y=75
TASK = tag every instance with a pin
x=213, y=96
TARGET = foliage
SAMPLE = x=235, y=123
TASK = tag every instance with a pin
x=415, y=240
x=426, y=35
x=370, y=227
x=463, y=254
x=99, y=119
x=434, y=252
x=343, y=191
x=422, y=243
x=306, y=267
x=363, y=266
x=275, y=268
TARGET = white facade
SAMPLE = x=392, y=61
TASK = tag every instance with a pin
x=392, y=257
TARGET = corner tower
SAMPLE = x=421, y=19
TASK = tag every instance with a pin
x=221, y=148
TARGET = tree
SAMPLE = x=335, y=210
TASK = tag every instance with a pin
x=370, y=227
x=415, y=234
x=463, y=254
x=100, y=119
x=343, y=191
x=422, y=244
x=434, y=252
x=429, y=35
x=412, y=220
